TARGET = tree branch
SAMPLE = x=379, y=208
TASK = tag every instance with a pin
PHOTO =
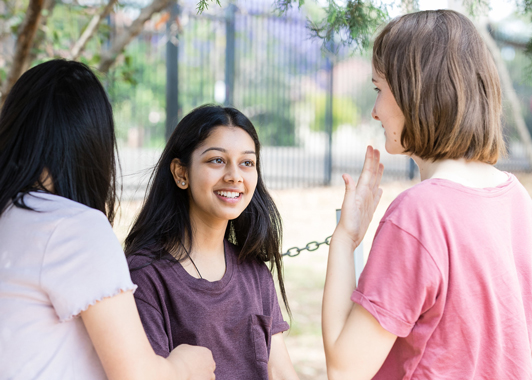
x=91, y=28
x=26, y=34
x=121, y=40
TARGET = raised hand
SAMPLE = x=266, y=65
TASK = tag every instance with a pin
x=360, y=201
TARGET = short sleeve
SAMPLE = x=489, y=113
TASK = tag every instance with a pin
x=149, y=306
x=83, y=263
x=400, y=281
x=153, y=323
x=278, y=323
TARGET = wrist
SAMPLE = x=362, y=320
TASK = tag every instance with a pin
x=342, y=238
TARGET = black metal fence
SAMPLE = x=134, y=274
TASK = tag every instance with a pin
x=312, y=108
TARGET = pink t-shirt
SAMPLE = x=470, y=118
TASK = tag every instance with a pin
x=450, y=273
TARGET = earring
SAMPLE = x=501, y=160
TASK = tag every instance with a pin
x=183, y=183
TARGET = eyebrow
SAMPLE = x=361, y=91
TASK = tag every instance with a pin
x=225, y=151
x=373, y=80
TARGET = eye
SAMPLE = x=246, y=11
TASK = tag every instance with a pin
x=249, y=163
x=377, y=90
x=216, y=160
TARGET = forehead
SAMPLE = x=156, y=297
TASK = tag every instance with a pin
x=228, y=138
x=375, y=75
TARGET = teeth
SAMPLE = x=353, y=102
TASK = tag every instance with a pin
x=228, y=194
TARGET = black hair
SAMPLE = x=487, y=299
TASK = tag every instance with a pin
x=57, y=118
x=164, y=220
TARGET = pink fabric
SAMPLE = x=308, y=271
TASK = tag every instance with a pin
x=450, y=273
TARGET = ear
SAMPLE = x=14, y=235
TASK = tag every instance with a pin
x=179, y=172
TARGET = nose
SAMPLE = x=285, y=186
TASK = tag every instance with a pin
x=233, y=174
x=374, y=113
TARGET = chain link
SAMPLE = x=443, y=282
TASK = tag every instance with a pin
x=312, y=246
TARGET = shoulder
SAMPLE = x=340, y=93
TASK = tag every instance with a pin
x=50, y=203
x=66, y=214
x=146, y=269
x=414, y=197
x=251, y=270
x=250, y=265
x=421, y=205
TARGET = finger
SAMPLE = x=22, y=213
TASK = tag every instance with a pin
x=365, y=178
x=378, y=178
x=350, y=191
x=376, y=163
x=377, y=199
x=349, y=183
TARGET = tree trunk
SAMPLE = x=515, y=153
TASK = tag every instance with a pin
x=91, y=28
x=509, y=91
x=40, y=35
x=26, y=34
x=109, y=57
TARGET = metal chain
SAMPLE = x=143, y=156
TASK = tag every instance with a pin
x=312, y=246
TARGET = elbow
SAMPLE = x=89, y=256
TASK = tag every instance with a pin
x=336, y=374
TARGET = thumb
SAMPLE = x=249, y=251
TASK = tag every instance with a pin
x=350, y=188
x=349, y=183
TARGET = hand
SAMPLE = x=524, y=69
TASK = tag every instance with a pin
x=193, y=362
x=360, y=201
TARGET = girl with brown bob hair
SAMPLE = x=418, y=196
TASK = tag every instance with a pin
x=447, y=289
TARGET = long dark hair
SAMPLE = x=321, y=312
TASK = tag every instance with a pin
x=57, y=117
x=164, y=221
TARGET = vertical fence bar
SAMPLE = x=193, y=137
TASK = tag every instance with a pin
x=172, y=101
x=411, y=169
x=329, y=120
x=230, y=54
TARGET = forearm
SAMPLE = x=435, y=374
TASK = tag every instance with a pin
x=280, y=366
x=339, y=284
x=116, y=332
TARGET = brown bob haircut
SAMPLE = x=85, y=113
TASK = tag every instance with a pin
x=445, y=82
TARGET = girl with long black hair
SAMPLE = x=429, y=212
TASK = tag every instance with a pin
x=59, y=257
x=198, y=249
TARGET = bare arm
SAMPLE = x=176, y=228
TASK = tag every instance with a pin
x=355, y=344
x=116, y=332
x=280, y=366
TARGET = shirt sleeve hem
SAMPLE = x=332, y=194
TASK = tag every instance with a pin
x=387, y=320
x=280, y=327
x=69, y=316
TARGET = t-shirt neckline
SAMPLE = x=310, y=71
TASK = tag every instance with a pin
x=203, y=284
x=482, y=191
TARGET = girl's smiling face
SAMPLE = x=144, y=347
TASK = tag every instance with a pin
x=388, y=113
x=222, y=175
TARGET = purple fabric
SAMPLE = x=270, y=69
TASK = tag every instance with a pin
x=234, y=317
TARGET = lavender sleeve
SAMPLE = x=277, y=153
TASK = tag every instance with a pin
x=83, y=263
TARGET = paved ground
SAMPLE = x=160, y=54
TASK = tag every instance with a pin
x=308, y=215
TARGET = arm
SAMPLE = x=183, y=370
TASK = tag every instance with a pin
x=116, y=332
x=355, y=344
x=280, y=366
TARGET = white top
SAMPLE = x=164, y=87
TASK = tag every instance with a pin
x=54, y=263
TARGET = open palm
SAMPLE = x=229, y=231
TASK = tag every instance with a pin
x=361, y=200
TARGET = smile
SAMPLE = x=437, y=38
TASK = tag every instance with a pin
x=228, y=194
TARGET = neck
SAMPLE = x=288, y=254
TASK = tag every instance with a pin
x=468, y=173
x=208, y=237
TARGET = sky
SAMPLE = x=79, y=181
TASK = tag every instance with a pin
x=499, y=8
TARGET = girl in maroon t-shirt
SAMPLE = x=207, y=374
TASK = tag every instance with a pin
x=198, y=248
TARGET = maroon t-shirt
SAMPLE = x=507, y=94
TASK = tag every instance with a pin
x=234, y=317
